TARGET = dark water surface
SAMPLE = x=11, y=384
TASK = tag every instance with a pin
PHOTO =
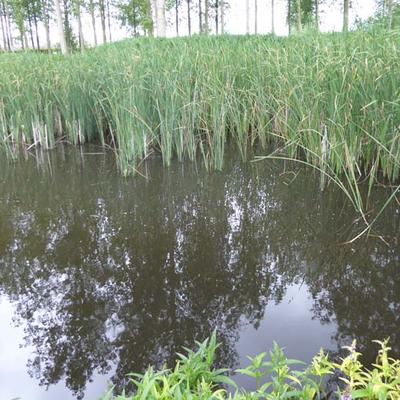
x=102, y=275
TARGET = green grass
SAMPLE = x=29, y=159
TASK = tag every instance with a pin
x=329, y=100
x=276, y=377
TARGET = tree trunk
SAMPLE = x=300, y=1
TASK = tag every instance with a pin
x=289, y=16
x=8, y=43
x=222, y=5
x=63, y=43
x=150, y=30
x=93, y=18
x=67, y=26
x=216, y=5
x=46, y=24
x=316, y=4
x=26, y=40
x=255, y=17
x=10, y=40
x=109, y=21
x=3, y=24
x=346, y=7
x=80, y=30
x=177, y=17
x=200, y=17
x=273, y=17
x=103, y=20
x=298, y=15
x=390, y=13
x=3, y=31
x=31, y=30
x=36, y=31
x=206, y=11
x=154, y=16
x=161, y=22
x=247, y=16
x=189, y=19
x=134, y=25
x=47, y=29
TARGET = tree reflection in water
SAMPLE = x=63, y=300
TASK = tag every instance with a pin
x=105, y=271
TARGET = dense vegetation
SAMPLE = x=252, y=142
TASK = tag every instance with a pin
x=187, y=97
x=330, y=100
x=194, y=377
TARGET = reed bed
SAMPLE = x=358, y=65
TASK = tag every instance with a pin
x=330, y=100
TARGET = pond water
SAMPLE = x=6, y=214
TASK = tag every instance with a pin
x=102, y=275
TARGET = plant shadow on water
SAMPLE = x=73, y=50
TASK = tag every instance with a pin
x=112, y=274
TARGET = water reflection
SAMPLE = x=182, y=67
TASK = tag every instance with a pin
x=111, y=273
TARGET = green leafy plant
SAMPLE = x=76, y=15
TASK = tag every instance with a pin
x=195, y=378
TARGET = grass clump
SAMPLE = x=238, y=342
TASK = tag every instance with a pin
x=329, y=100
x=194, y=377
x=332, y=99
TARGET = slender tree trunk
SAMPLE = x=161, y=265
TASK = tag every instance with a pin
x=134, y=25
x=3, y=31
x=6, y=26
x=80, y=30
x=222, y=5
x=200, y=17
x=47, y=30
x=189, y=18
x=46, y=23
x=206, y=11
x=63, y=42
x=154, y=16
x=3, y=24
x=273, y=17
x=109, y=21
x=216, y=17
x=316, y=6
x=389, y=6
x=93, y=18
x=103, y=20
x=346, y=7
x=247, y=16
x=298, y=15
x=150, y=30
x=23, y=39
x=255, y=17
x=161, y=22
x=177, y=17
x=9, y=35
x=67, y=26
x=289, y=16
x=31, y=30
x=36, y=31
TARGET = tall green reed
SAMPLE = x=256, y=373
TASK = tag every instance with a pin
x=329, y=100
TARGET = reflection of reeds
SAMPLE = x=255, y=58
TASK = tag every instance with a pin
x=333, y=101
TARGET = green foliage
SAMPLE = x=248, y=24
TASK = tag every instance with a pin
x=194, y=377
x=330, y=101
x=136, y=14
x=307, y=12
x=380, y=19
